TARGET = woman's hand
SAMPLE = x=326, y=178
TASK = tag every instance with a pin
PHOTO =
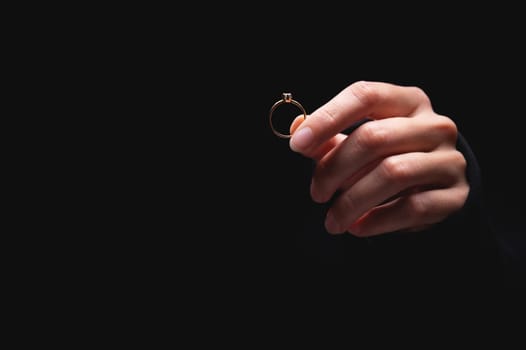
x=399, y=171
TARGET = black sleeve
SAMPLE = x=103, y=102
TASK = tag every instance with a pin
x=465, y=247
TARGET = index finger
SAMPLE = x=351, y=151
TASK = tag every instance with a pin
x=375, y=100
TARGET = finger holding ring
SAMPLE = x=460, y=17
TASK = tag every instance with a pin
x=287, y=98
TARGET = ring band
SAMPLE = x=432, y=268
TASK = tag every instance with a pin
x=287, y=98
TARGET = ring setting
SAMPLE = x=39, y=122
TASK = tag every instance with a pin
x=286, y=98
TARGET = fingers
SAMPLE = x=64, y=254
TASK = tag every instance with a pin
x=322, y=149
x=296, y=123
x=419, y=210
x=374, y=141
x=392, y=176
x=399, y=171
x=359, y=100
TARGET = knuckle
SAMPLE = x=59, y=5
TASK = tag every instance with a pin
x=364, y=92
x=447, y=127
x=395, y=170
x=419, y=207
x=370, y=136
x=420, y=94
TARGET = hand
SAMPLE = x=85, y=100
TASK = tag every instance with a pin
x=399, y=171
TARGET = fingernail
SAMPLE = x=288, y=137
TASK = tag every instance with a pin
x=301, y=139
x=315, y=193
x=330, y=224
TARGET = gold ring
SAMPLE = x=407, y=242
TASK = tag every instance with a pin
x=287, y=98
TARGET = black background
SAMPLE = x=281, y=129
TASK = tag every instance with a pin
x=236, y=190
x=468, y=71
x=183, y=176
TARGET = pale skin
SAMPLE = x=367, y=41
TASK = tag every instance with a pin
x=399, y=172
